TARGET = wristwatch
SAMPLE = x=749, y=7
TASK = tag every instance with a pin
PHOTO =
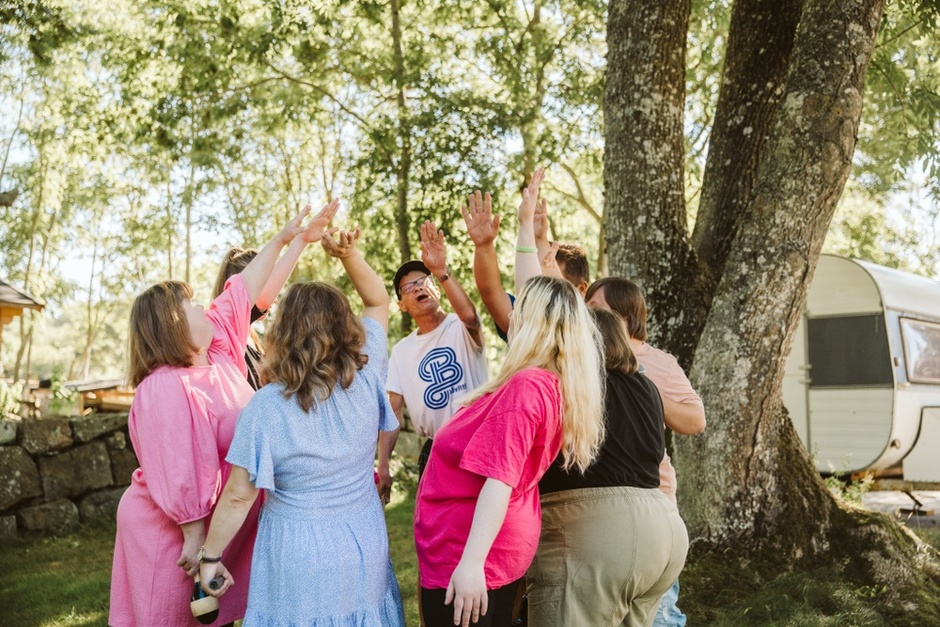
x=444, y=276
x=205, y=559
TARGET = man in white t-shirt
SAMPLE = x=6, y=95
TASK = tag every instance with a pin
x=440, y=362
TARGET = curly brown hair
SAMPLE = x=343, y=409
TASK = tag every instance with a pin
x=314, y=344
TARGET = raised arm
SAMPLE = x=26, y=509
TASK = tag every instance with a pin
x=527, y=258
x=367, y=283
x=540, y=226
x=258, y=273
x=482, y=227
x=433, y=254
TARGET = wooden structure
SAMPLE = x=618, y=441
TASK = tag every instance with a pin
x=12, y=303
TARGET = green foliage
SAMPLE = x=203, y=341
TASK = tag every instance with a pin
x=63, y=398
x=149, y=136
x=847, y=489
x=10, y=396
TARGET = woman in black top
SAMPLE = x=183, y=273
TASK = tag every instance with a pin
x=612, y=542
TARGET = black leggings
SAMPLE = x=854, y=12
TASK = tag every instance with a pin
x=498, y=612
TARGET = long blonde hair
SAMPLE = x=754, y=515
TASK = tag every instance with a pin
x=553, y=329
x=315, y=344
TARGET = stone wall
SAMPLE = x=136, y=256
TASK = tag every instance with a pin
x=58, y=472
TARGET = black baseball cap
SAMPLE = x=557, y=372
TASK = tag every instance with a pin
x=415, y=265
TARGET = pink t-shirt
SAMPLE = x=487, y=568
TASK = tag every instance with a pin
x=665, y=372
x=512, y=435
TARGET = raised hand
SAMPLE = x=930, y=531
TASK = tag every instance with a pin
x=433, y=252
x=482, y=225
x=340, y=244
x=549, y=262
x=319, y=223
x=530, y=196
x=293, y=227
x=540, y=221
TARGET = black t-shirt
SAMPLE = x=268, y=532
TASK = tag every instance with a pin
x=253, y=356
x=634, y=445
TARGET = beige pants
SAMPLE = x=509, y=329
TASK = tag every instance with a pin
x=605, y=557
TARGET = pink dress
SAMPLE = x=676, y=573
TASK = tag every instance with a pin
x=181, y=424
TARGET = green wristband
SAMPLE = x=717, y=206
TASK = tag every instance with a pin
x=527, y=249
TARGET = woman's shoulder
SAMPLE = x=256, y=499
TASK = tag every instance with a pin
x=634, y=382
x=533, y=380
x=270, y=393
x=161, y=378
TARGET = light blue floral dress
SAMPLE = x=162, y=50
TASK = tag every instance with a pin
x=321, y=556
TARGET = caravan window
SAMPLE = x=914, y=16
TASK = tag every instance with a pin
x=849, y=351
x=921, y=350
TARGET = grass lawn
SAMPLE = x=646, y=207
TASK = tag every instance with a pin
x=64, y=581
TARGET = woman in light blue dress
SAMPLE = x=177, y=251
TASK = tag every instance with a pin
x=308, y=439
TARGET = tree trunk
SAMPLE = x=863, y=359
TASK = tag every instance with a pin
x=747, y=481
x=403, y=172
x=26, y=326
x=170, y=223
x=644, y=157
x=747, y=487
x=755, y=70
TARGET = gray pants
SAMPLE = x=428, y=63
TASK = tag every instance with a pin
x=605, y=557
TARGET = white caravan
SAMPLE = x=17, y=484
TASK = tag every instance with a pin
x=862, y=383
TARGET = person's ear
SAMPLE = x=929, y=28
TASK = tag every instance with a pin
x=583, y=288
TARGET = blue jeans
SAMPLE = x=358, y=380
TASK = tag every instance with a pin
x=668, y=614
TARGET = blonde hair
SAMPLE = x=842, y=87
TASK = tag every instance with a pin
x=553, y=329
x=315, y=344
x=618, y=354
x=159, y=331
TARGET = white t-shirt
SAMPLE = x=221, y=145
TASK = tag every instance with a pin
x=434, y=371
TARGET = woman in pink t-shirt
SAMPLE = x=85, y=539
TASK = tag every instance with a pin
x=477, y=516
x=189, y=368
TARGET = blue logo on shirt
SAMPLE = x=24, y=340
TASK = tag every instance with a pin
x=440, y=368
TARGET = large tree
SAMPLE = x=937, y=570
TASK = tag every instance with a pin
x=727, y=298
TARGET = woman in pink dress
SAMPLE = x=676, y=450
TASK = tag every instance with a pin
x=189, y=367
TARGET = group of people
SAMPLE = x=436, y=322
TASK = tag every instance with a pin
x=264, y=469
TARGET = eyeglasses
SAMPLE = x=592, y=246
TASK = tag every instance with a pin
x=410, y=286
